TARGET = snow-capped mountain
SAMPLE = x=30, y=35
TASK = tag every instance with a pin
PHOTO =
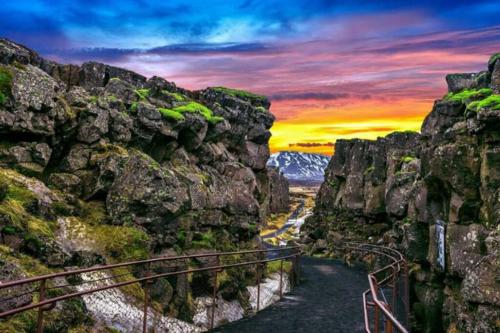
x=300, y=166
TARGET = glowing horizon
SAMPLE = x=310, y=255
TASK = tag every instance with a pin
x=332, y=70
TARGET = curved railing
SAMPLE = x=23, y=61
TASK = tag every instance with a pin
x=43, y=283
x=383, y=313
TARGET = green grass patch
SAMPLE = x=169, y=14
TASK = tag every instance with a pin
x=142, y=93
x=5, y=84
x=93, y=99
x=171, y=114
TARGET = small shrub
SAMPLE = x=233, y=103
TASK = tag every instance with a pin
x=171, y=114
x=93, y=99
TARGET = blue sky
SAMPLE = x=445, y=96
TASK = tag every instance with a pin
x=333, y=69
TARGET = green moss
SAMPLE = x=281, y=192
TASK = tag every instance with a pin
x=261, y=109
x=176, y=96
x=203, y=240
x=491, y=102
x=93, y=212
x=20, y=323
x=133, y=107
x=112, y=98
x=10, y=230
x=215, y=119
x=240, y=94
x=493, y=59
x=61, y=208
x=468, y=94
x=5, y=84
x=275, y=267
x=407, y=159
x=119, y=243
x=93, y=99
x=114, y=79
x=369, y=170
x=142, y=93
x=194, y=107
x=171, y=114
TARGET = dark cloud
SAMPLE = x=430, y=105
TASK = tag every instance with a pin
x=116, y=54
x=311, y=144
x=309, y=95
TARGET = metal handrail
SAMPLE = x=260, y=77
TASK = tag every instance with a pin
x=46, y=304
x=397, y=268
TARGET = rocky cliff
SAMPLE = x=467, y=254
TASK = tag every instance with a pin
x=100, y=164
x=393, y=190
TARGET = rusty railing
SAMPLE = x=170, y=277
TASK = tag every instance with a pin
x=41, y=301
x=386, y=302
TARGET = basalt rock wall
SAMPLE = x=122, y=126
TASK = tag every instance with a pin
x=394, y=189
x=99, y=164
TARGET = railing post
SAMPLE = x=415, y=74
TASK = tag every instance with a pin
x=376, y=319
x=394, y=288
x=41, y=297
x=406, y=291
x=214, y=293
x=281, y=279
x=258, y=287
x=146, y=302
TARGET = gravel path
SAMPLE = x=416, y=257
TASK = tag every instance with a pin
x=329, y=299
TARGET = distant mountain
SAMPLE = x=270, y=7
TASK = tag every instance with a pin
x=300, y=166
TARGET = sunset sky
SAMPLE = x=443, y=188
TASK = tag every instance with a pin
x=332, y=69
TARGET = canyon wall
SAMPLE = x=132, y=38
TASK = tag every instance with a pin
x=99, y=164
x=394, y=189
